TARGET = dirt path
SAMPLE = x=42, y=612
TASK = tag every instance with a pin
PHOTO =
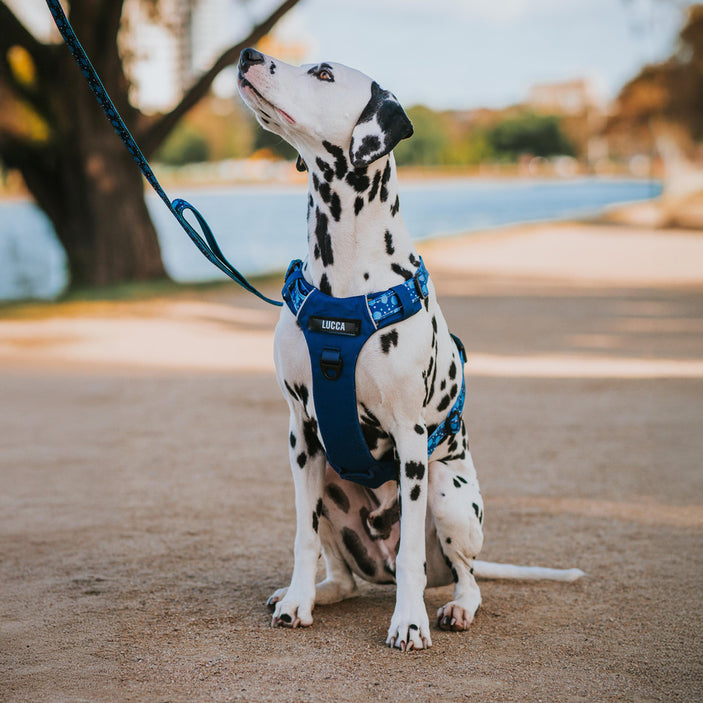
x=146, y=509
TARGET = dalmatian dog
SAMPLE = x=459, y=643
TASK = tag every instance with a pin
x=425, y=528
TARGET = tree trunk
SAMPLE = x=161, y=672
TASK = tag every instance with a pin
x=92, y=191
x=81, y=175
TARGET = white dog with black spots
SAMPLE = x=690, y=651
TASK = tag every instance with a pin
x=425, y=529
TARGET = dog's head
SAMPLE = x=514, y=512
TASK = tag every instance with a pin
x=325, y=102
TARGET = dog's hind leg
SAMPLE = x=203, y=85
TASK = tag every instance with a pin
x=457, y=509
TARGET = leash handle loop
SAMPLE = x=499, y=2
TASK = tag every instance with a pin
x=208, y=247
x=211, y=250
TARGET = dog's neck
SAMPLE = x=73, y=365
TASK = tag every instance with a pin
x=357, y=240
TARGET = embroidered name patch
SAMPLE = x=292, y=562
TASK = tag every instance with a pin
x=330, y=325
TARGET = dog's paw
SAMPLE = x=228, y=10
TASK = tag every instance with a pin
x=290, y=612
x=276, y=596
x=455, y=617
x=409, y=632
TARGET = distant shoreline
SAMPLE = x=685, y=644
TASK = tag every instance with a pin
x=284, y=174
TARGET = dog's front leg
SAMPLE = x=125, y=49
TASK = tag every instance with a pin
x=308, y=466
x=410, y=626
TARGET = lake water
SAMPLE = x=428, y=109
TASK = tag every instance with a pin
x=261, y=228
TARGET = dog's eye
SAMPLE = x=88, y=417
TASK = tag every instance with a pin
x=325, y=75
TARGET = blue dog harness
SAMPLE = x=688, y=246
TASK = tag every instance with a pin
x=335, y=330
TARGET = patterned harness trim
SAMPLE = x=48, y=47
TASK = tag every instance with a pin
x=335, y=331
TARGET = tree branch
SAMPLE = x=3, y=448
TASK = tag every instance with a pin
x=43, y=56
x=157, y=132
x=15, y=33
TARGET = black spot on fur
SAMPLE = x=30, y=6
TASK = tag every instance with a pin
x=324, y=241
x=325, y=286
x=462, y=479
x=319, y=508
x=315, y=182
x=443, y=385
x=419, y=429
x=452, y=370
x=397, y=268
x=335, y=207
x=412, y=627
x=301, y=390
x=338, y=497
x=292, y=440
x=366, y=276
x=293, y=394
x=444, y=403
x=429, y=385
x=272, y=68
x=476, y=510
x=381, y=524
x=325, y=168
x=414, y=470
x=456, y=483
x=395, y=207
x=390, y=250
x=434, y=323
x=301, y=459
x=316, y=251
x=384, y=182
x=358, y=180
x=449, y=540
x=358, y=205
x=415, y=493
x=449, y=564
x=388, y=340
x=414, y=260
x=371, y=428
x=356, y=548
x=431, y=429
x=326, y=192
x=374, y=186
x=315, y=521
x=369, y=145
x=340, y=161
x=454, y=390
x=311, y=440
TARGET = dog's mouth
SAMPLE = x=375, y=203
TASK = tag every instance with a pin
x=245, y=83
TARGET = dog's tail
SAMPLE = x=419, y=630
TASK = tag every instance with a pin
x=491, y=570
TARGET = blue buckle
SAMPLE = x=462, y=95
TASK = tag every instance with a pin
x=331, y=363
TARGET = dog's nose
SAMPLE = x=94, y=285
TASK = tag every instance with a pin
x=248, y=58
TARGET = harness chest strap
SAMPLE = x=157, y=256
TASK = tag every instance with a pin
x=335, y=331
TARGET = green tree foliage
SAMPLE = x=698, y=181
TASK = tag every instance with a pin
x=454, y=139
x=185, y=145
x=429, y=140
x=537, y=135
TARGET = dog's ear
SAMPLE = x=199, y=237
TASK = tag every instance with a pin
x=381, y=125
x=300, y=164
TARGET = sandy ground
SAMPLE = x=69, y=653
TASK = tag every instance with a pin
x=146, y=508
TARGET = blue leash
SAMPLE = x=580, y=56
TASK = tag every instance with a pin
x=208, y=247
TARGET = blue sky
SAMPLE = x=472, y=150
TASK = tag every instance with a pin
x=467, y=53
x=470, y=53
